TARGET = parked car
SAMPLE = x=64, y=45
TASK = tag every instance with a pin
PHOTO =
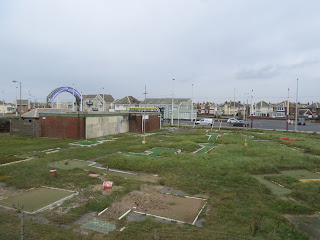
x=301, y=121
x=241, y=123
x=232, y=120
x=205, y=122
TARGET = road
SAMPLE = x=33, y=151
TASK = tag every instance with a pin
x=262, y=124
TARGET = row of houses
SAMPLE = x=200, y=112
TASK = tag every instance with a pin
x=183, y=108
x=260, y=109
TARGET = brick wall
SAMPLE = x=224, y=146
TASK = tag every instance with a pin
x=31, y=128
x=135, y=123
x=63, y=127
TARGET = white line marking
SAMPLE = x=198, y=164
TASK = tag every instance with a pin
x=103, y=211
x=199, y=213
x=123, y=215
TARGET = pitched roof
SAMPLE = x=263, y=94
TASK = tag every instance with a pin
x=263, y=104
x=34, y=113
x=127, y=100
x=164, y=100
x=285, y=104
x=314, y=105
x=107, y=97
x=304, y=111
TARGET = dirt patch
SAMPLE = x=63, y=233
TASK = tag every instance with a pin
x=150, y=200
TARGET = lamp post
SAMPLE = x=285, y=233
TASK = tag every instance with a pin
x=172, y=101
x=244, y=103
x=16, y=101
x=103, y=99
x=296, y=117
x=192, y=103
x=73, y=97
x=15, y=81
x=3, y=103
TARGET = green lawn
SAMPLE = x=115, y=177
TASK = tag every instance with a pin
x=241, y=206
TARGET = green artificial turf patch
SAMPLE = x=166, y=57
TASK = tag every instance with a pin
x=35, y=198
x=301, y=174
x=99, y=226
x=276, y=189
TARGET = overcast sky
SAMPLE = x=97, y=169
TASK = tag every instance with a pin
x=123, y=45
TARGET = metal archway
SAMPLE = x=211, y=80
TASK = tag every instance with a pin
x=59, y=90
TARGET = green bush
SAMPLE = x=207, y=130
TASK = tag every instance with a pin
x=5, y=122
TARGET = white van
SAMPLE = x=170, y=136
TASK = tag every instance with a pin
x=205, y=122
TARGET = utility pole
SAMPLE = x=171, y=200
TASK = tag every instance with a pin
x=103, y=99
x=288, y=106
x=192, y=102
x=144, y=115
x=245, y=122
x=244, y=103
x=15, y=81
x=296, y=117
x=234, y=103
x=3, y=103
x=73, y=97
x=16, y=101
x=81, y=103
x=172, y=101
x=251, y=108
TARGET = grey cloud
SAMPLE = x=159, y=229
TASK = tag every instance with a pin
x=270, y=71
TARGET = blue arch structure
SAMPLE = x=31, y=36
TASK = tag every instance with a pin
x=59, y=90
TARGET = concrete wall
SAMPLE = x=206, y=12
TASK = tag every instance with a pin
x=28, y=128
x=63, y=127
x=107, y=125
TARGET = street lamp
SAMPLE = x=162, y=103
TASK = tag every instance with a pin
x=191, y=103
x=172, y=102
x=103, y=99
x=244, y=102
x=15, y=81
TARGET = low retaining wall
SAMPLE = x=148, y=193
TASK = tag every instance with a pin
x=30, y=128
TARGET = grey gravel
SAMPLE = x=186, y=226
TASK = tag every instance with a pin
x=81, y=232
x=135, y=217
x=199, y=222
x=37, y=219
x=84, y=218
x=179, y=193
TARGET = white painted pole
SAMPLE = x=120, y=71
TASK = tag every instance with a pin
x=3, y=104
x=81, y=103
x=103, y=99
x=172, y=101
x=234, y=103
x=191, y=103
x=296, y=118
x=73, y=97
x=16, y=101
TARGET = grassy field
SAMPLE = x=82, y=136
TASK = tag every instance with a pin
x=239, y=207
